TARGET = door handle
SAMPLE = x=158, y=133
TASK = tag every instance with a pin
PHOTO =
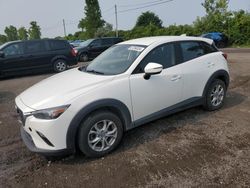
x=210, y=64
x=175, y=78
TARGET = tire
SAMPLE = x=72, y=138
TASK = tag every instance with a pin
x=96, y=141
x=83, y=57
x=215, y=95
x=60, y=65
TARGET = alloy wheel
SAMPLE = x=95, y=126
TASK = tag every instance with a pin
x=217, y=95
x=102, y=135
x=61, y=66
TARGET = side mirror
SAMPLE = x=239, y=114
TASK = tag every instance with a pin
x=2, y=55
x=151, y=69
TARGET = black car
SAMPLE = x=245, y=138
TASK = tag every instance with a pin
x=91, y=48
x=22, y=57
x=220, y=39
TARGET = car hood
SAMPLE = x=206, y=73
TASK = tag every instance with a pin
x=61, y=88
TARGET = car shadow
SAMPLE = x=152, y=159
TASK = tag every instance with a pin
x=233, y=99
x=23, y=75
x=155, y=129
x=36, y=73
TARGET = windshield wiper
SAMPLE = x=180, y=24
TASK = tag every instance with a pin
x=94, y=71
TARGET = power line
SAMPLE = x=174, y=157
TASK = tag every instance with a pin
x=146, y=6
x=139, y=4
x=107, y=10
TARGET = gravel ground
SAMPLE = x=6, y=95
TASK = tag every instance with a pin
x=193, y=148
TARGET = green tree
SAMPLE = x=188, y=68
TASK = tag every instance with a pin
x=214, y=7
x=216, y=18
x=82, y=24
x=34, y=31
x=11, y=33
x=105, y=30
x=93, y=19
x=147, y=18
x=22, y=33
x=3, y=39
x=239, y=27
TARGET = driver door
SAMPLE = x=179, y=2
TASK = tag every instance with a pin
x=162, y=90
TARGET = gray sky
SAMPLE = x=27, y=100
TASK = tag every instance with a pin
x=49, y=13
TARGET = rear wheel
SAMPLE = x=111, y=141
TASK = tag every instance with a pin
x=60, y=65
x=83, y=57
x=100, y=134
x=215, y=95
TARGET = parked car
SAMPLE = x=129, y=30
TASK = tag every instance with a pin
x=76, y=43
x=130, y=84
x=22, y=57
x=91, y=48
x=220, y=39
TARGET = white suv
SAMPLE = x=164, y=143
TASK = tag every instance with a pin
x=128, y=85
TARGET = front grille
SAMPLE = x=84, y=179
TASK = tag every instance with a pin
x=21, y=116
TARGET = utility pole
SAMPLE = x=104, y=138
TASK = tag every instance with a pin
x=64, y=28
x=116, y=22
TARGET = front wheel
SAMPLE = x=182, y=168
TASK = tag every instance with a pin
x=215, y=95
x=100, y=134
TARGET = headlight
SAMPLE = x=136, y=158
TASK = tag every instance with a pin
x=50, y=113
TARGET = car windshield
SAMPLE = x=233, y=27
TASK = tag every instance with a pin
x=86, y=43
x=3, y=45
x=115, y=60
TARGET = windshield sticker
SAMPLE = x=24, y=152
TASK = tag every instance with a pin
x=136, y=48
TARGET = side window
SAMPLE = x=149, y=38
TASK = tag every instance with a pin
x=107, y=42
x=57, y=44
x=96, y=43
x=13, y=49
x=34, y=47
x=191, y=50
x=208, y=48
x=164, y=55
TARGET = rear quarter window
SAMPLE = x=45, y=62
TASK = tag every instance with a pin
x=58, y=45
x=208, y=48
x=191, y=50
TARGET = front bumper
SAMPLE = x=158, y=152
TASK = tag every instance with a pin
x=31, y=146
x=46, y=137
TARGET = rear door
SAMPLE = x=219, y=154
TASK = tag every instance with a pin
x=36, y=54
x=196, y=68
x=14, y=60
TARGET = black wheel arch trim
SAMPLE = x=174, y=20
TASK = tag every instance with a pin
x=119, y=106
x=217, y=74
x=54, y=59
